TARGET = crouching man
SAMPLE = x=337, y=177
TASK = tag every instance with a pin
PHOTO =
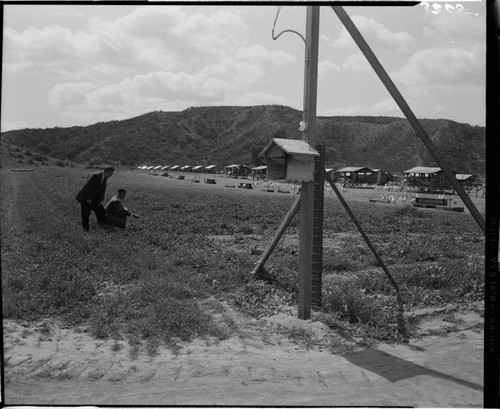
x=116, y=213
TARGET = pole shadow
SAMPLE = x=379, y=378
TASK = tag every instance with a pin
x=396, y=369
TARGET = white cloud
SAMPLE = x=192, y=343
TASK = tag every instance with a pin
x=152, y=56
x=11, y=126
x=258, y=53
x=443, y=66
x=375, y=33
x=327, y=67
x=260, y=98
x=386, y=107
x=154, y=37
x=68, y=94
x=356, y=62
x=457, y=25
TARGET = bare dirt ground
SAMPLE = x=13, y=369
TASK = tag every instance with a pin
x=259, y=365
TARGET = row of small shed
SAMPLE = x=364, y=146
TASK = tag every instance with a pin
x=431, y=177
x=178, y=168
x=231, y=170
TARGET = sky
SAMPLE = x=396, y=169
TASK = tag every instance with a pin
x=77, y=65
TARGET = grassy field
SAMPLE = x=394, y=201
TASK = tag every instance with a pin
x=152, y=285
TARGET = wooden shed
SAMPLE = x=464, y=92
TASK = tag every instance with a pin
x=211, y=169
x=355, y=175
x=259, y=172
x=236, y=171
x=427, y=179
x=465, y=179
x=289, y=159
x=381, y=177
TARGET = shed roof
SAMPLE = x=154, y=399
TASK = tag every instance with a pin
x=260, y=167
x=210, y=166
x=291, y=146
x=423, y=169
x=174, y=167
x=164, y=167
x=353, y=169
x=463, y=176
x=197, y=167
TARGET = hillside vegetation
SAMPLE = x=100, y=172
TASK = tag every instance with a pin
x=231, y=134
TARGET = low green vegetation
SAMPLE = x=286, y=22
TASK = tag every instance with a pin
x=150, y=285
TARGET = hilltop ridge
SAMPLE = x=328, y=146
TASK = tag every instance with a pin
x=222, y=135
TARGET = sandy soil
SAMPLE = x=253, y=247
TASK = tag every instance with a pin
x=46, y=363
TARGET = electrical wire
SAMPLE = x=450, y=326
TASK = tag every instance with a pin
x=284, y=31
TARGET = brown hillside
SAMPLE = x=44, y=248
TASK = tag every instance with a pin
x=233, y=134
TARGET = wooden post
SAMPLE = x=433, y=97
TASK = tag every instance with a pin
x=319, y=195
x=307, y=190
x=281, y=230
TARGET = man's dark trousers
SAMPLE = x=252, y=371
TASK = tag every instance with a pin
x=87, y=209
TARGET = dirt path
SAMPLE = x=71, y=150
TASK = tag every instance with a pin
x=48, y=364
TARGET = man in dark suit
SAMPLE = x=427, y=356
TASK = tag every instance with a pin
x=91, y=197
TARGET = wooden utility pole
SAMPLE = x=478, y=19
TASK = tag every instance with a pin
x=306, y=234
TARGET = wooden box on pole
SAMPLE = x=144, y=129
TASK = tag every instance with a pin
x=289, y=159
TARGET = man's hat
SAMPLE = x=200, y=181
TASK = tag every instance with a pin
x=109, y=169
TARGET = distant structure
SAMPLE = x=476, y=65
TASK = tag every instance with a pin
x=362, y=175
x=259, y=172
x=427, y=179
x=236, y=171
x=211, y=169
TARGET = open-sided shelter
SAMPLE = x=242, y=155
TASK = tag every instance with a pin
x=236, y=171
x=259, y=172
x=465, y=179
x=355, y=174
x=430, y=179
